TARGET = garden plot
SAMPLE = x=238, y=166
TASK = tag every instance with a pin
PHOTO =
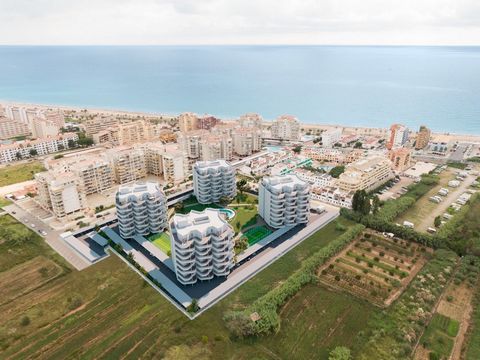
x=374, y=267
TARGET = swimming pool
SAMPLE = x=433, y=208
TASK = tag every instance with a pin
x=229, y=213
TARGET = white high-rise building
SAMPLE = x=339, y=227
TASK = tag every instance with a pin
x=251, y=120
x=286, y=127
x=331, y=137
x=213, y=180
x=246, y=141
x=284, y=201
x=202, y=246
x=141, y=209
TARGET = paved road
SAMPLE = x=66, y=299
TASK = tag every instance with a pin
x=52, y=238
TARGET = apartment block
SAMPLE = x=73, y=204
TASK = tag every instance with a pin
x=141, y=209
x=246, y=141
x=174, y=167
x=315, y=179
x=12, y=128
x=202, y=246
x=331, y=137
x=286, y=127
x=98, y=124
x=333, y=195
x=207, y=122
x=212, y=180
x=42, y=128
x=134, y=132
x=61, y=193
x=215, y=147
x=423, y=138
x=22, y=149
x=284, y=201
x=398, y=136
x=251, y=120
x=128, y=164
x=190, y=142
x=366, y=174
x=400, y=158
x=188, y=122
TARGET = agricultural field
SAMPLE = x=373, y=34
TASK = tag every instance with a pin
x=12, y=174
x=107, y=311
x=439, y=335
x=162, y=241
x=374, y=267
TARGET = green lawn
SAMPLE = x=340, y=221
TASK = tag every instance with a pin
x=256, y=234
x=107, y=311
x=4, y=202
x=12, y=174
x=162, y=241
x=439, y=335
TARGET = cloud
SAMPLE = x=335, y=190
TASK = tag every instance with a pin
x=239, y=21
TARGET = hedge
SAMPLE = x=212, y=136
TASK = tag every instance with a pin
x=266, y=306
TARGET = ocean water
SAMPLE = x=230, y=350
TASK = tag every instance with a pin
x=357, y=85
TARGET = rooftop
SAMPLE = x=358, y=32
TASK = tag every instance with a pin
x=280, y=182
x=198, y=220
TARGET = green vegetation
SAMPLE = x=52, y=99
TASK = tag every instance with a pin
x=439, y=335
x=457, y=165
x=162, y=241
x=392, y=333
x=12, y=174
x=4, y=202
x=469, y=271
x=239, y=322
x=337, y=171
x=461, y=232
x=256, y=234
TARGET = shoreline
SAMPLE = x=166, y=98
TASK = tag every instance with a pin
x=437, y=136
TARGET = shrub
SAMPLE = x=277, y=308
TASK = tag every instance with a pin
x=25, y=321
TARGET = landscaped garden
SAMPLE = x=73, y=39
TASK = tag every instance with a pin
x=374, y=267
x=162, y=241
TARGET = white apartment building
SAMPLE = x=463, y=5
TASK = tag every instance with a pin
x=333, y=195
x=141, y=209
x=398, y=136
x=246, y=140
x=366, y=174
x=202, y=246
x=286, y=127
x=261, y=165
x=331, y=137
x=61, y=193
x=98, y=124
x=315, y=179
x=213, y=180
x=174, y=167
x=251, y=120
x=21, y=149
x=215, y=147
x=12, y=128
x=284, y=201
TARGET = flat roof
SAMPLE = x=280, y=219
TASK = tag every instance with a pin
x=198, y=220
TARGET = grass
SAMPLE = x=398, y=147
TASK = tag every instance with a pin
x=256, y=234
x=439, y=335
x=4, y=202
x=106, y=311
x=12, y=174
x=162, y=241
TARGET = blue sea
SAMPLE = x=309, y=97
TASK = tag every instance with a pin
x=350, y=85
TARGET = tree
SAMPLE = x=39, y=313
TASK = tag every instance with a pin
x=71, y=144
x=193, y=307
x=437, y=221
x=337, y=171
x=225, y=200
x=340, y=353
x=297, y=149
x=178, y=206
x=33, y=152
x=18, y=155
x=375, y=204
x=60, y=147
x=358, y=145
x=241, y=185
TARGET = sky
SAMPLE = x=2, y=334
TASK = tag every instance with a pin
x=196, y=22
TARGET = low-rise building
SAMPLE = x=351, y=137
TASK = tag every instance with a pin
x=202, y=246
x=315, y=179
x=284, y=201
x=24, y=149
x=333, y=195
x=365, y=174
x=213, y=180
x=141, y=209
